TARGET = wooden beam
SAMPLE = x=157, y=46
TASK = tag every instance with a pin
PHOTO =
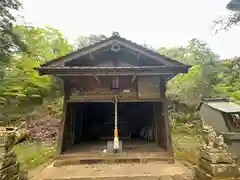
x=170, y=77
x=78, y=54
x=134, y=49
x=110, y=74
x=133, y=79
x=90, y=100
x=91, y=56
x=164, y=68
x=156, y=128
x=81, y=120
x=104, y=71
x=138, y=56
x=157, y=121
x=97, y=79
x=72, y=119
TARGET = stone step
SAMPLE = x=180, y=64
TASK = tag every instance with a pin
x=112, y=158
x=131, y=171
x=78, y=160
x=136, y=177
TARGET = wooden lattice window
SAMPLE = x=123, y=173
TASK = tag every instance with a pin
x=115, y=83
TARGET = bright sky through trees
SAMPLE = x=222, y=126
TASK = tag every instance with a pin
x=155, y=22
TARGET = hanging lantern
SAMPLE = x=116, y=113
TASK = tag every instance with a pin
x=234, y=5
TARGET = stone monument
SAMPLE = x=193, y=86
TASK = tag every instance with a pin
x=9, y=168
x=215, y=162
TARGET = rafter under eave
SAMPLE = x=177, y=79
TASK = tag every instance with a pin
x=91, y=56
x=97, y=79
x=133, y=79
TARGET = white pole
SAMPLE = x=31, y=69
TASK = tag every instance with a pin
x=116, y=139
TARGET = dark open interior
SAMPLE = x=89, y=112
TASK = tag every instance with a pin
x=93, y=123
x=233, y=121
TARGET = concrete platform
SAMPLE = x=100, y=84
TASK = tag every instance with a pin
x=150, y=171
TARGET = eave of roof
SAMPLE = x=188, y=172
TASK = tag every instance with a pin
x=132, y=70
x=222, y=105
x=110, y=67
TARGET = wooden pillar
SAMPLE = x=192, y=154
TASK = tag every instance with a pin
x=168, y=137
x=81, y=121
x=157, y=124
x=62, y=132
x=73, y=125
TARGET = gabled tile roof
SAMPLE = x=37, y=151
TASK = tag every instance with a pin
x=115, y=38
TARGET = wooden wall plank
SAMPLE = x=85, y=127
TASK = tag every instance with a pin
x=87, y=88
x=148, y=87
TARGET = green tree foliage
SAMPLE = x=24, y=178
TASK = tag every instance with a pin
x=44, y=43
x=21, y=83
x=10, y=41
x=226, y=22
x=209, y=75
x=84, y=41
x=229, y=86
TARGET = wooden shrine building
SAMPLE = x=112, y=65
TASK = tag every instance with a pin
x=94, y=75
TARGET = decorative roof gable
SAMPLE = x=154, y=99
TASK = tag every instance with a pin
x=115, y=39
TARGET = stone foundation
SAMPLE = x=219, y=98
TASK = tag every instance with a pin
x=9, y=168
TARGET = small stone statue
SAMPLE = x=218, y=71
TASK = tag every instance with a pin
x=220, y=144
x=209, y=135
x=212, y=141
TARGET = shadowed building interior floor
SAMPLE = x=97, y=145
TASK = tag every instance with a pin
x=93, y=126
